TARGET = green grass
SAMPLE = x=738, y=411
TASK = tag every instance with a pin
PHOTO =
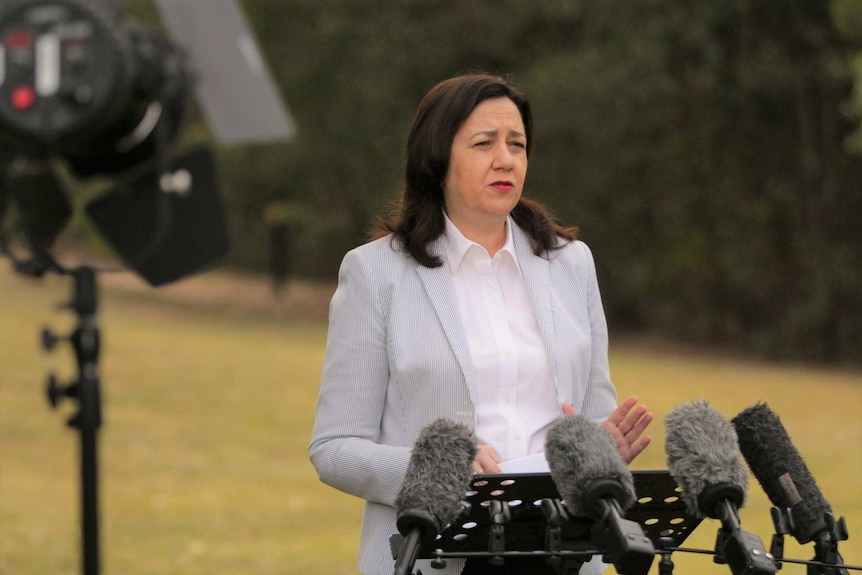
x=208, y=412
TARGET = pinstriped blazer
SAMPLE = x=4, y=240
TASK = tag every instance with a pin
x=397, y=359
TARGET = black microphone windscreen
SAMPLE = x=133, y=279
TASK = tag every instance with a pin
x=438, y=475
x=579, y=452
x=780, y=470
x=702, y=452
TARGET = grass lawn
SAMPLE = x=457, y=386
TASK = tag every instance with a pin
x=208, y=411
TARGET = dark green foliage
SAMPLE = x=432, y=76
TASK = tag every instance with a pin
x=703, y=147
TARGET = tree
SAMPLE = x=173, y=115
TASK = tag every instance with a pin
x=702, y=147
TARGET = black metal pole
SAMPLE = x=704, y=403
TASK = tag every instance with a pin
x=85, y=340
x=89, y=502
x=89, y=392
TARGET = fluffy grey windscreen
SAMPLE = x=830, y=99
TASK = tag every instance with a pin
x=439, y=472
x=702, y=450
x=578, y=452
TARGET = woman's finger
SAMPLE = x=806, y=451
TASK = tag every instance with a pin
x=487, y=460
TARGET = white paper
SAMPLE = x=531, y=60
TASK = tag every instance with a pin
x=535, y=463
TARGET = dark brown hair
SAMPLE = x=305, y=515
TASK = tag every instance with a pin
x=417, y=219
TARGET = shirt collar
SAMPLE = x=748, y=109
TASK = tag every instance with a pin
x=457, y=245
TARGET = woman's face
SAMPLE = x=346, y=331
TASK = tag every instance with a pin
x=487, y=166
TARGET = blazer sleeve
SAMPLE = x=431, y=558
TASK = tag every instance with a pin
x=345, y=448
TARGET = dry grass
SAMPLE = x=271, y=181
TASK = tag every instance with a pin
x=208, y=409
x=818, y=407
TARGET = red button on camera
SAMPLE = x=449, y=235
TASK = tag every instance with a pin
x=23, y=98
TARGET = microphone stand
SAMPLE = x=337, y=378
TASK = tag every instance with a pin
x=664, y=549
x=500, y=514
x=665, y=564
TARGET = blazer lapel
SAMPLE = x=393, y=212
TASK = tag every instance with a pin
x=537, y=276
x=441, y=291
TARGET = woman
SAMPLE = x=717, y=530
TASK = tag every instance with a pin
x=471, y=304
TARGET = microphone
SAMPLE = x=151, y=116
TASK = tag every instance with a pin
x=785, y=478
x=437, y=478
x=704, y=459
x=594, y=482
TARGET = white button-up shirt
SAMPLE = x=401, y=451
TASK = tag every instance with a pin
x=517, y=399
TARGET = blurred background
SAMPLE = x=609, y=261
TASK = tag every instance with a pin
x=709, y=151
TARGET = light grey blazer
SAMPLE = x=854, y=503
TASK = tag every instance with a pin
x=397, y=359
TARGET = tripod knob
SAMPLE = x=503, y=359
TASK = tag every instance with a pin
x=56, y=392
x=50, y=339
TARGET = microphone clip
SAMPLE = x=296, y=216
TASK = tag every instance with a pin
x=556, y=516
x=783, y=523
x=743, y=552
x=826, y=546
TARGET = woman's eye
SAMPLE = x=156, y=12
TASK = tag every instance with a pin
x=483, y=143
x=521, y=145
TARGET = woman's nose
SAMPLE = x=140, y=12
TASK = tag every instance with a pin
x=503, y=157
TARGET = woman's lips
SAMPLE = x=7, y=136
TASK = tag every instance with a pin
x=503, y=185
